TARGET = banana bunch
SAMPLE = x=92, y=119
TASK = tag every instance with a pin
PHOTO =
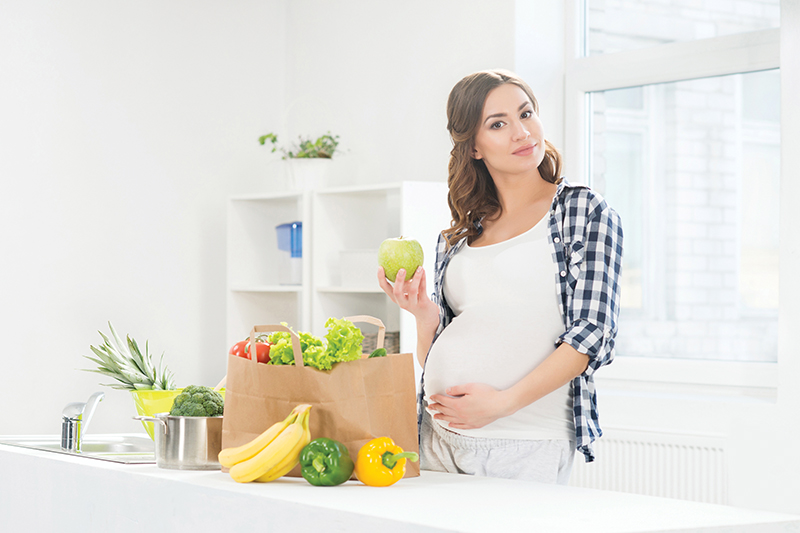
x=273, y=453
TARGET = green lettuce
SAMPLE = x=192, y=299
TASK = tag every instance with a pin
x=344, y=340
x=281, y=353
x=342, y=343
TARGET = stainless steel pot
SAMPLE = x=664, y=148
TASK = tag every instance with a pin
x=186, y=442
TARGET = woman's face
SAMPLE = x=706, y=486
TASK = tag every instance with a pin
x=510, y=138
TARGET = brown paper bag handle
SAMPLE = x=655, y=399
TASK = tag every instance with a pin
x=375, y=322
x=298, y=353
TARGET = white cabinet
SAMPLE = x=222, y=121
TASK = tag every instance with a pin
x=353, y=220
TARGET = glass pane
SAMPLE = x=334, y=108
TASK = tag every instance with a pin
x=623, y=162
x=615, y=25
x=693, y=168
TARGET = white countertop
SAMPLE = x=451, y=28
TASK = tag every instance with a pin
x=45, y=491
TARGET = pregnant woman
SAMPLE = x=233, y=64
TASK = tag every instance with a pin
x=525, y=300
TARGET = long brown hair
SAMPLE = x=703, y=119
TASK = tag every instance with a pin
x=472, y=194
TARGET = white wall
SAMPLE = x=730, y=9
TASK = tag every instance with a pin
x=378, y=74
x=125, y=125
x=539, y=60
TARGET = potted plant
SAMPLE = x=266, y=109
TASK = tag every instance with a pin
x=309, y=160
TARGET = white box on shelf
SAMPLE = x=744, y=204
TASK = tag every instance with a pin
x=290, y=269
x=359, y=268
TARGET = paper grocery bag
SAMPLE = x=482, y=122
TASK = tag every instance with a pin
x=353, y=403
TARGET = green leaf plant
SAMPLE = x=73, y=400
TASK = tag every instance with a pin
x=322, y=148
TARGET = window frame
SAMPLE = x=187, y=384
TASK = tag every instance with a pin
x=717, y=56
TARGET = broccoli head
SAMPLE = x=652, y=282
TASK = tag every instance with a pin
x=197, y=400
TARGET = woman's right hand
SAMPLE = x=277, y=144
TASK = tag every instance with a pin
x=410, y=295
x=413, y=297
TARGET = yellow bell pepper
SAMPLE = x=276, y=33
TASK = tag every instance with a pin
x=381, y=462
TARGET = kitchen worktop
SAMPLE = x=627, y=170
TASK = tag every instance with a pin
x=44, y=491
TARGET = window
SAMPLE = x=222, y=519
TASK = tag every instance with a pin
x=653, y=126
x=615, y=25
x=693, y=169
x=681, y=133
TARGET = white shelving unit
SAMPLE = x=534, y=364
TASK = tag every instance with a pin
x=334, y=220
x=358, y=218
x=255, y=295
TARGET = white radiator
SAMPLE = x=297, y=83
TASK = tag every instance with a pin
x=683, y=466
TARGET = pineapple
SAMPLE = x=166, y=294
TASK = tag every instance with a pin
x=126, y=363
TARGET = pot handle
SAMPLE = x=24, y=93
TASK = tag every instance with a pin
x=152, y=419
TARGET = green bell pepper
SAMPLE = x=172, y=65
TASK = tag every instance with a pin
x=326, y=462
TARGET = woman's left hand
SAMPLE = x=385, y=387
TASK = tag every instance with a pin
x=470, y=406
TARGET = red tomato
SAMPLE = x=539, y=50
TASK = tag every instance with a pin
x=262, y=352
x=242, y=349
x=238, y=349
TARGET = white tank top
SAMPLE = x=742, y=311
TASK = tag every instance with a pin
x=504, y=298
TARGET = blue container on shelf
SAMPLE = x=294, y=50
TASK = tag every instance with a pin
x=290, y=238
x=290, y=242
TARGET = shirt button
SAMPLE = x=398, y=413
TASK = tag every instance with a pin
x=563, y=273
x=556, y=240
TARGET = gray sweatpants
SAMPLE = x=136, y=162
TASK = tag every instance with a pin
x=546, y=461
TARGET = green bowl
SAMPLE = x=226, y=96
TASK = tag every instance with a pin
x=150, y=402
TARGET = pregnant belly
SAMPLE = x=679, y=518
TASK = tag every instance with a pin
x=493, y=346
x=485, y=349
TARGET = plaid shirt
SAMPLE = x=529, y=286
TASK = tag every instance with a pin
x=585, y=239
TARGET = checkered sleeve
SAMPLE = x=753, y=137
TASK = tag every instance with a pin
x=594, y=265
x=591, y=267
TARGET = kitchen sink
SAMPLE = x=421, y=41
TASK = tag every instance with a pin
x=128, y=448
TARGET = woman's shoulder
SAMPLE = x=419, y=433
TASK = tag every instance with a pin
x=577, y=192
x=579, y=198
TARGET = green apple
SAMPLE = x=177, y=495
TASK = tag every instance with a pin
x=398, y=253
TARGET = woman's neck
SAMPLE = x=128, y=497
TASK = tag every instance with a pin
x=519, y=193
x=524, y=201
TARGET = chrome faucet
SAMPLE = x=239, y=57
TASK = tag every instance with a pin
x=75, y=421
